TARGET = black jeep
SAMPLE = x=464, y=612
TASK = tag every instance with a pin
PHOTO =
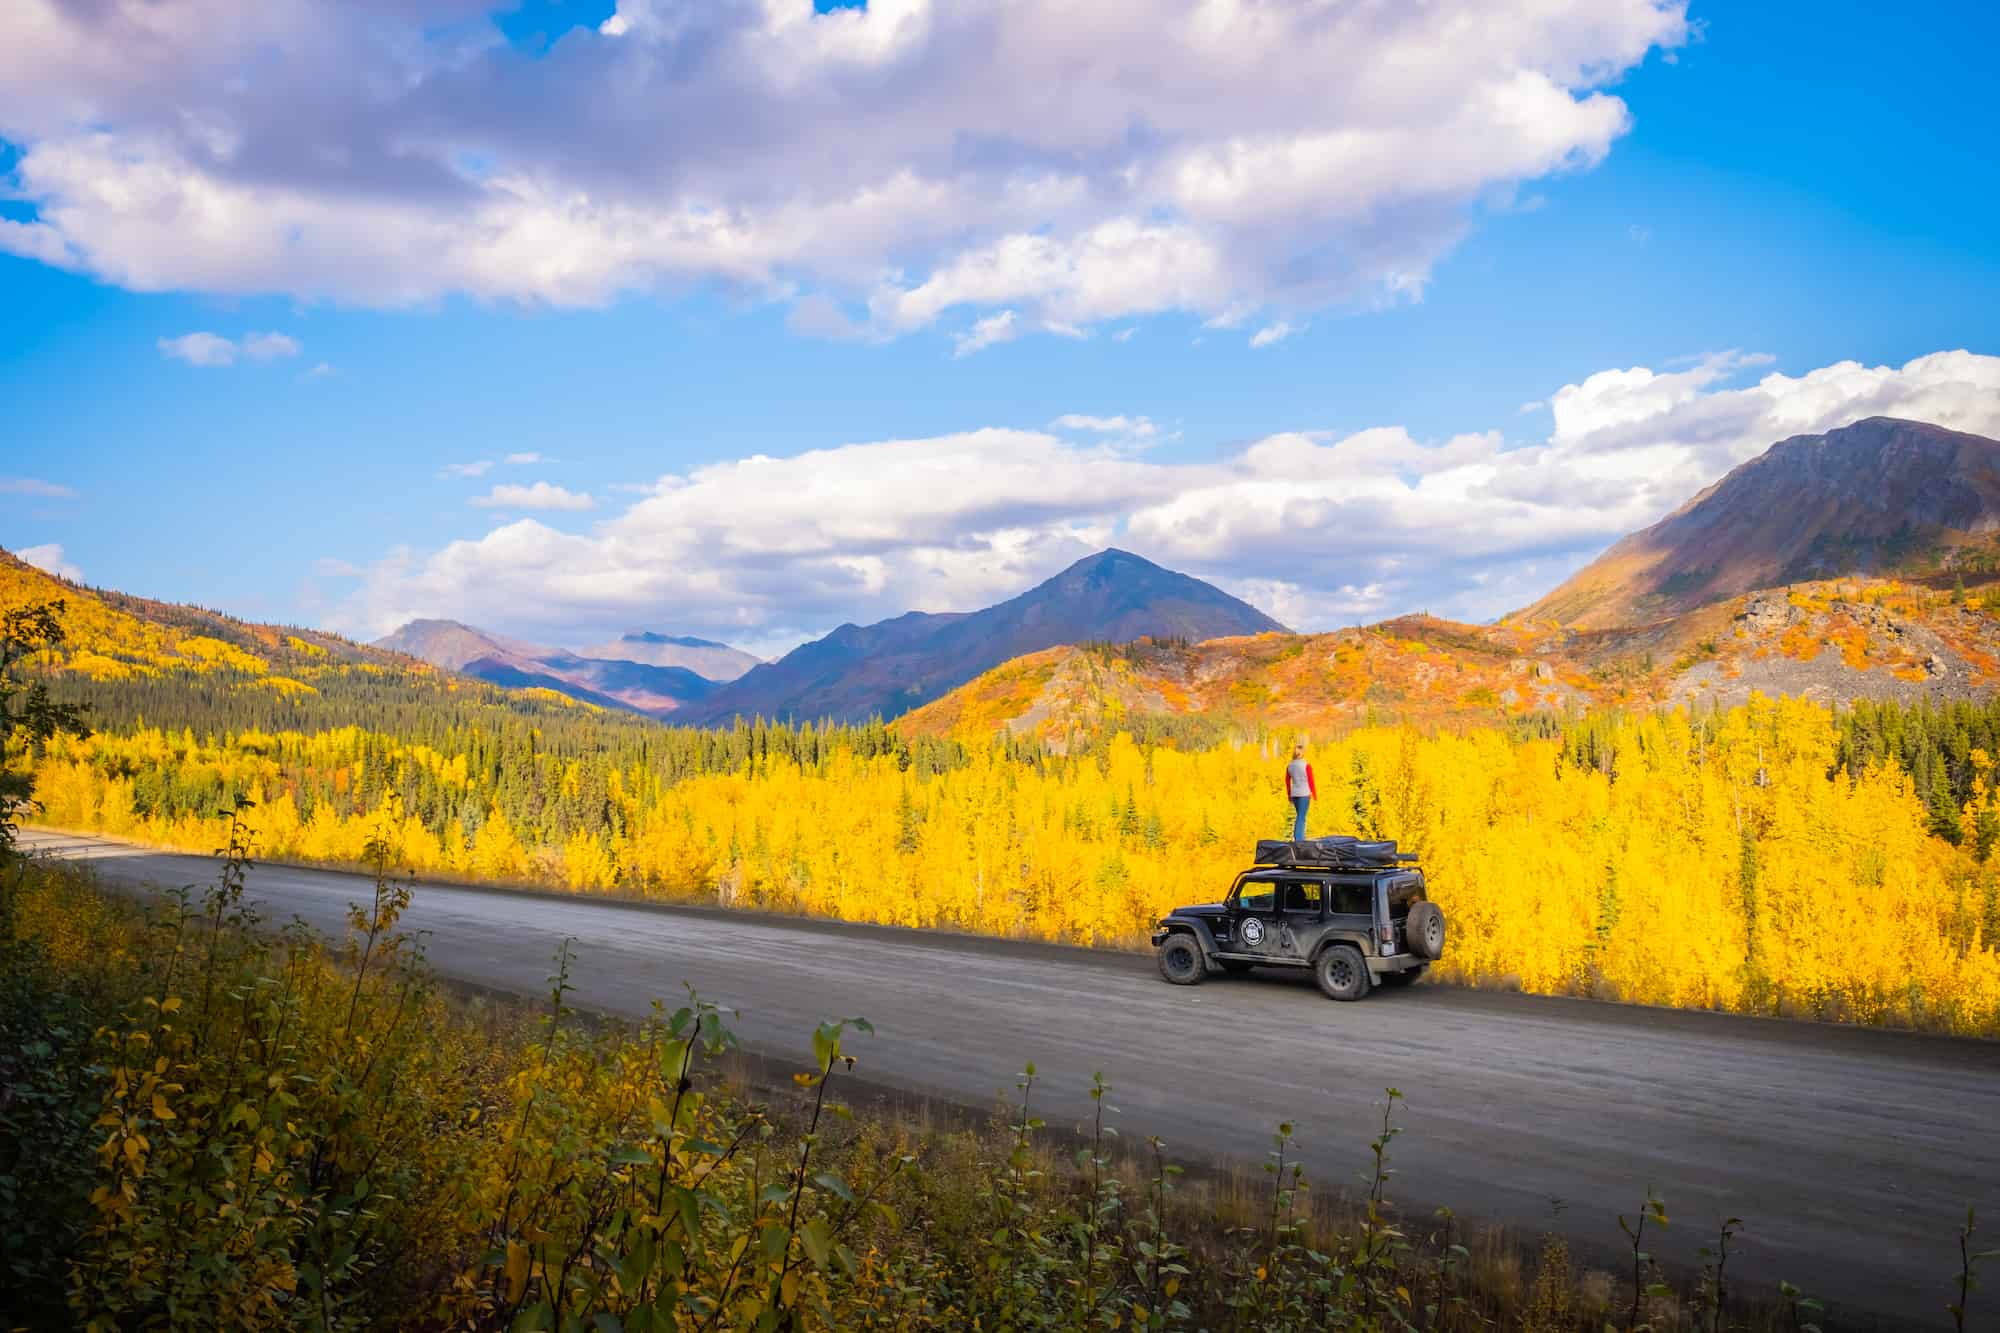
x=1352, y=911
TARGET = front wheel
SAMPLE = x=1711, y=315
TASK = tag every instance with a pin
x=1181, y=962
x=1342, y=973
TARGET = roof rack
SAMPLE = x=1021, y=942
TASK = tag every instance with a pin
x=1339, y=852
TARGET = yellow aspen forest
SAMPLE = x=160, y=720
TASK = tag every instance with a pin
x=1728, y=860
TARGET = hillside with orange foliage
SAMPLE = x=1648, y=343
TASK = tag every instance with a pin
x=1833, y=641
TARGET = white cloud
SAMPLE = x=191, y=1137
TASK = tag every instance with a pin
x=523, y=460
x=1272, y=333
x=1123, y=335
x=49, y=559
x=1320, y=529
x=199, y=349
x=37, y=241
x=1206, y=156
x=817, y=315
x=35, y=487
x=1140, y=428
x=212, y=350
x=477, y=468
x=541, y=495
x=993, y=329
x=269, y=346
x=319, y=372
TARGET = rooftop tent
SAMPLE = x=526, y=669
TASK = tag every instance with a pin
x=1340, y=852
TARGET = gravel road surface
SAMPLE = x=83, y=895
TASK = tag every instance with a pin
x=1851, y=1154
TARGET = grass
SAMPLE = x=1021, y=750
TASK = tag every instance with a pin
x=208, y=1122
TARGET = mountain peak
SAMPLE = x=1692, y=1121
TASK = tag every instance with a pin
x=1878, y=496
x=1111, y=556
x=448, y=643
x=895, y=665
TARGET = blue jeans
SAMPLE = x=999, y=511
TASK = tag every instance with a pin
x=1299, y=803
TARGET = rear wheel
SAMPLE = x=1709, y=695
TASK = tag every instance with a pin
x=1408, y=978
x=1341, y=972
x=1181, y=962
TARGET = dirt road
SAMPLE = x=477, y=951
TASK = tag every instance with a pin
x=1851, y=1154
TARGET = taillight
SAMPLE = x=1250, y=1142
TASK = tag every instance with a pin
x=1388, y=936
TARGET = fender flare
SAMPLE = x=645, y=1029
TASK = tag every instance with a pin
x=1199, y=929
x=1331, y=938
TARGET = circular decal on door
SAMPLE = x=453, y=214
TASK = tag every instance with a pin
x=1253, y=931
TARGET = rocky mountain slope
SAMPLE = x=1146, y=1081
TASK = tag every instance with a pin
x=1882, y=496
x=610, y=683
x=888, y=668
x=1832, y=641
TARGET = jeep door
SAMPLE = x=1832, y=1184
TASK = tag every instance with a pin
x=1254, y=920
x=1302, y=906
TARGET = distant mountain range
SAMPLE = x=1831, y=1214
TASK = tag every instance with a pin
x=1864, y=562
x=1829, y=568
x=660, y=691
x=705, y=657
x=856, y=672
x=1881, y=496
x=890, y=667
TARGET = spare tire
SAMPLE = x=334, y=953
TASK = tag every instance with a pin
x=1425, y=930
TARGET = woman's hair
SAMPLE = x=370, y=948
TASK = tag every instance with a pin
x=1298, y=748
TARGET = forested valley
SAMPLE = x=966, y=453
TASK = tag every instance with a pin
x=1720, y=858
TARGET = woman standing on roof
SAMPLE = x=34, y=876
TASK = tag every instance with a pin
x=1300, y=788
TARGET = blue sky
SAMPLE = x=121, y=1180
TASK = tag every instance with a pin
x=1801, y=186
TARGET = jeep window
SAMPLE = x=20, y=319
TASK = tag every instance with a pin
x=1352, y=897
x=1304, y=896
x=1404, y=890
x=1257, y=895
